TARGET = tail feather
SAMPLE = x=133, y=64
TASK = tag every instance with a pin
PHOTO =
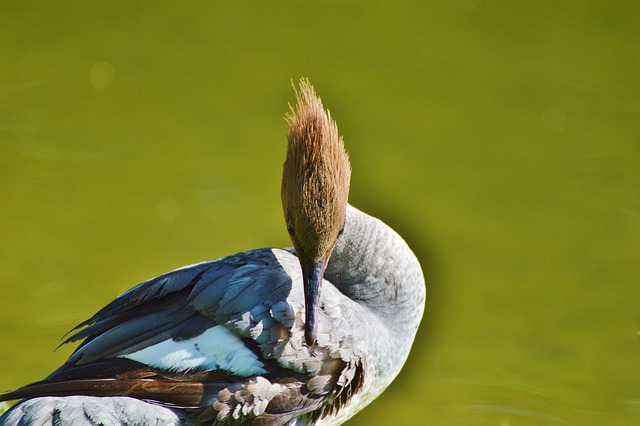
x=180, y=394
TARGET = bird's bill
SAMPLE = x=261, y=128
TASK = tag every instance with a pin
x=312, y=275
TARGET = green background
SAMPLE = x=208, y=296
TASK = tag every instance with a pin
x=502, y=139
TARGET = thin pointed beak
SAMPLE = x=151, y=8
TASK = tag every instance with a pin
x=312, y=274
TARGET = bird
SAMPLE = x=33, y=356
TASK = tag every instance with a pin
x=309, y=334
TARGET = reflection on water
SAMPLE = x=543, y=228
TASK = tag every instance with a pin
x=501, y=140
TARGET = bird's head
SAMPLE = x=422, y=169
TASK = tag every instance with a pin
x=315, y=189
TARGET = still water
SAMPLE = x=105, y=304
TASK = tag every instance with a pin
x=502, y=140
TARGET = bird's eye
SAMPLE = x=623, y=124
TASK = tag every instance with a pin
x=341, y=231
x=290, y=227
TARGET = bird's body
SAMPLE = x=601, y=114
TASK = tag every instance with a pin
x=249, y=338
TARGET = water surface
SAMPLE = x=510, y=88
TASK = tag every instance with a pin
x=502, y=139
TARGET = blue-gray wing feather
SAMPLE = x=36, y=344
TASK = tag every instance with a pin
x=182, y=304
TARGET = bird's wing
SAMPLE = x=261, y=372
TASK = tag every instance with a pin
x=193, y=306
x=224, y=336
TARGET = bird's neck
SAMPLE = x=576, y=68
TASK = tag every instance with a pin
x=375, y=267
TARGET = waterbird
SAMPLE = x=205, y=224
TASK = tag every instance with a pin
x=296, y=336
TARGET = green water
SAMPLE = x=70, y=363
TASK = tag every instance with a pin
x=501, y=138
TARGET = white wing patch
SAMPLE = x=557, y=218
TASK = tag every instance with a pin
x=215, y=349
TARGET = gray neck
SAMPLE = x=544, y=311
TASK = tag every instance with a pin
x=373, y=266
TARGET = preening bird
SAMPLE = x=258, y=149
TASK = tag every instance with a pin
x=303, y=335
